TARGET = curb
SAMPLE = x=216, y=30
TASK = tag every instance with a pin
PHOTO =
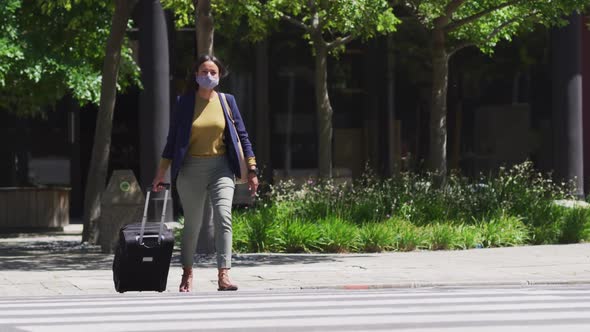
x=460, y=284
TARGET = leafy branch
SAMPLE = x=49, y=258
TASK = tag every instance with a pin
x=340, y=41
x=492, y=34
x=295, y=22
x=470, y=19
x=452, y=7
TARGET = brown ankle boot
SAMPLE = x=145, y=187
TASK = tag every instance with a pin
x=186, y=284
x=223, y=281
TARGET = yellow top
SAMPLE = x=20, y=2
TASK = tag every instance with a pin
x=207, y=132
x=208, y=126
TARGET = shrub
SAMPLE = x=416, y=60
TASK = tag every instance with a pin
x=546, y=227
x=178, y=232
x=512, y=207
x=469, y=237
x=298, y=236
x=376, y=237
x=504, y=231
x=262, y=230
x=240, y=232
x=408, y=236
x=524, y=192
x=442, y=237
x=574, y=225
x=337, y=235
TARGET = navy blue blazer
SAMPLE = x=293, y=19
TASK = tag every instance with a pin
x=179, y=133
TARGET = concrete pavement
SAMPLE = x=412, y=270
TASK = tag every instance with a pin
x=56, y=263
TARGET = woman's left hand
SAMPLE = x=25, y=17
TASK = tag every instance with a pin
x=252, y=183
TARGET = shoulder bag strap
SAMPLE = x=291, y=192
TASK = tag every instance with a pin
x=227, y=107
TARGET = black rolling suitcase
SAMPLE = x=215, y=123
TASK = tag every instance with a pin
x=144, y=250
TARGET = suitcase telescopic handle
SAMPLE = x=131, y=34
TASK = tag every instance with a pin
x=166, y=185
x=145, y=212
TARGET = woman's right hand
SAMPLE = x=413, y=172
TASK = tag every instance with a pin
x=156, y=184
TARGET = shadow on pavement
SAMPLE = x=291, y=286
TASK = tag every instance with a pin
x=283, y=259
x=250, y=260
x=52, y=256
x=63, y=255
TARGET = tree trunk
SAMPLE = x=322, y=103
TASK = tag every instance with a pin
x=392, y=153
x=97, y=174
x=204, y=27
x=437, y=161
x=204, y=33
x=263, y=133
x=324, y=110
x=567, y=104
x=290, y=109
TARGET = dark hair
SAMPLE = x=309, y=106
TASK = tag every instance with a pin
x=191, y=84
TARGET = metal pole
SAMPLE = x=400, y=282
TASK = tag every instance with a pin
x=154, y=111
x=567, y=103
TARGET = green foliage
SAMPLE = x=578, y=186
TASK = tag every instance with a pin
x=253, y=20
x=184, y=11
x=520, y=191
x=484, y=23
x=514, y=207
x=240, y=239
x=504, y=231
x=262, y=230
x=178, y=232
x=51, y=48
x=575, y=225
x=311, y=201
x=408, y=236
x=337, y=18
x=377, y=237
x=364, y=18
x=523, y=191
x=297, y=236
x=337, y=235
x=230, y=17
x=469, y=236
x=10, y=47
x=443, y=236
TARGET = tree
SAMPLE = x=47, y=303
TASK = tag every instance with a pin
x=198, y=13
x=456, y=24
x=97, y=174
x=329, y=26
x=52, y=48
x=204, y=27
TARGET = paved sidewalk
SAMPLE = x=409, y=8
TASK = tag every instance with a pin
x=56, y=263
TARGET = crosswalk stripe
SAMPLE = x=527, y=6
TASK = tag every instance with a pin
x=257, y=294
x=245, y=295
x=195, y=314
x=250, y=299
x=209, y=325
x=418, y=311
x=143, y=307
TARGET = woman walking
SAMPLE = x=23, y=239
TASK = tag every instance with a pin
x=202, y=148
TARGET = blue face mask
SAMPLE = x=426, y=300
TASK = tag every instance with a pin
x=207, y=82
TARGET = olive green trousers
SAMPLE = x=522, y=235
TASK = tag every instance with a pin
x=199, y=177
